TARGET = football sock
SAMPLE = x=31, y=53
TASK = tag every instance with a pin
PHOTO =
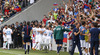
x=58, y=49
x=50, y=48
x=33, y=45
x=28, y=48
x=3, y=45
x=25, y=47
x=86, y=54
x=8, y=46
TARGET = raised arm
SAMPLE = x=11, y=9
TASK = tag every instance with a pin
x=68, y=30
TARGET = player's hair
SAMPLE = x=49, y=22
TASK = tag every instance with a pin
x=24, y=21
x=16, y=22
x=59, y=23
x=72, y=27
x=5, y=25
x=95, y=24
x=44, y=15
x=21, y=23
x=76, y=23
x=12, y=24
x=40, y=26
x=28, y=23
x=56, y=21
x=9, y=26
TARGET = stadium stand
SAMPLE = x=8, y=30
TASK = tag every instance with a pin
x=9, y=8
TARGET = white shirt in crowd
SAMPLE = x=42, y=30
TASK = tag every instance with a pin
x=31, y=1
x=70, y=12
x=34, y=30
x=1, y=19
x=65, y=8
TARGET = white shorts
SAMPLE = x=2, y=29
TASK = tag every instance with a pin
x=70, y=44
x=4, y=38
x=82, y=42
x=87, y=45
x=38, y=38
x=9, y=40
x=47, y=39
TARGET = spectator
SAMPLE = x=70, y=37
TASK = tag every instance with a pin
x=1, y=19
x=44, y=19
x=1, y=38
x=16, y=24
x=9, y=7
x=32, y=1
x=55, y=15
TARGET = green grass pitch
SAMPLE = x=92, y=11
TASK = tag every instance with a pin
x=21, y=52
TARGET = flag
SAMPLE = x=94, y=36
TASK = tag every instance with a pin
x=97, y=8
x=55, y=4
x=86, y=6
x=33, y=35
x=65, y=38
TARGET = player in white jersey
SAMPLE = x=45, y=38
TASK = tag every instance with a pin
x=42, y=31
x=33, y=37
x=47, y=37
x=4, y=37
x=37, y=40
x=8, y=33
x=50, y=35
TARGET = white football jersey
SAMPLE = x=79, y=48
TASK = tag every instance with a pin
x=48, y=32
x=34, y=30
x=37, y=29
x=8, y=32
x=43, y=29
x=4, y=31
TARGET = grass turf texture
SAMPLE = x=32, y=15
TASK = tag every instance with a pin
x=21, y=52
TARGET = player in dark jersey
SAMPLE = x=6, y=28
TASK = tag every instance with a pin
x=94, y=38
x=26, y=32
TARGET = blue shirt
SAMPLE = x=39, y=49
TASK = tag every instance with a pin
x=83, y=32
x=55, y=9
x=94, y=34
x=75, y=38
x=75, y=13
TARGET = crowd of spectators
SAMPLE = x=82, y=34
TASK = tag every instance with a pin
x=10, y=7
x=69, y=14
